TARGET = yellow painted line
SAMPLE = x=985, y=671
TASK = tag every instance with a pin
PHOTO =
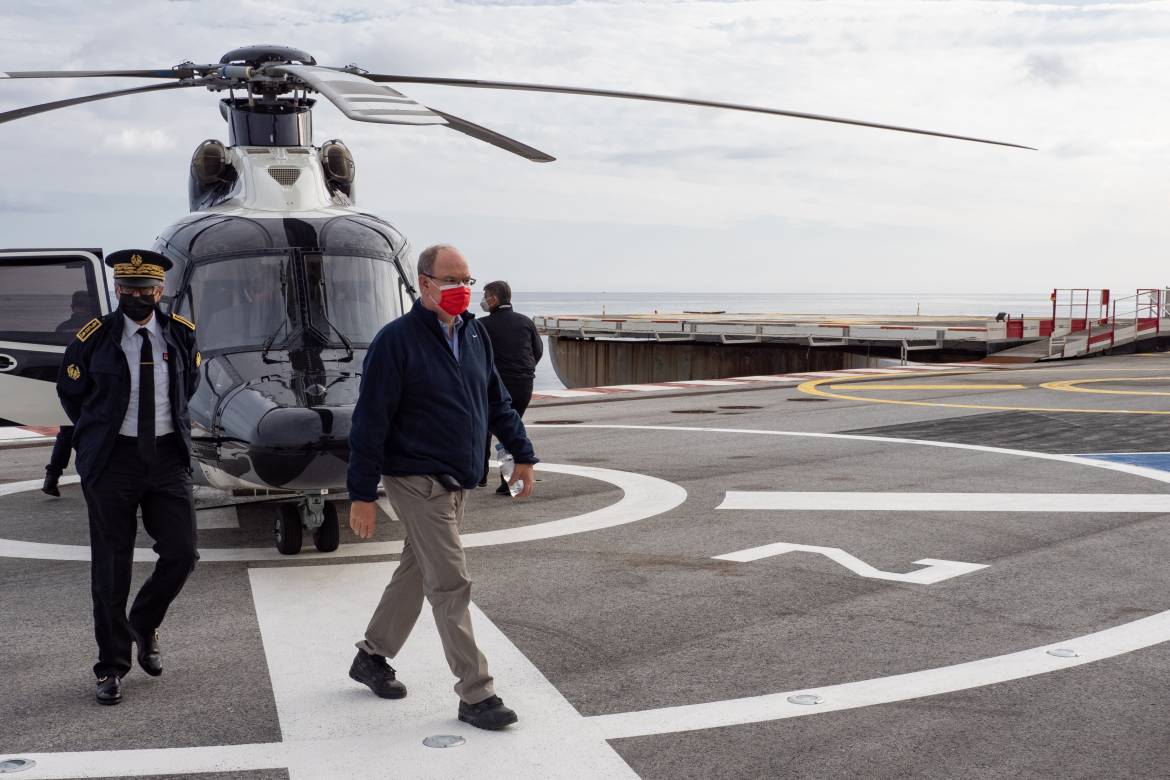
x=1071, y=386
x=813, y=388
x=896, y=386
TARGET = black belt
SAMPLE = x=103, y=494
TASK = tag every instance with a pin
x=133, y=440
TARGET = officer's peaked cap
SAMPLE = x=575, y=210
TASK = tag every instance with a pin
x=138, y=267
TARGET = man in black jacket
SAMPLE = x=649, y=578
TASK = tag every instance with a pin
x=518, y=348
x=125, y=383
x=429, y=395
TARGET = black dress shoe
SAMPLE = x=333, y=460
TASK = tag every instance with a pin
x=50, y=486
x=503, y=490
x=109, y=689
x=490, y=714
x=149, y=657
x=373, y=671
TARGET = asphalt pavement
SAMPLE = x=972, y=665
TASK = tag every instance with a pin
x=1038, y=495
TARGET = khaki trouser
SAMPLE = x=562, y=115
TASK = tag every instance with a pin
x=432, y=565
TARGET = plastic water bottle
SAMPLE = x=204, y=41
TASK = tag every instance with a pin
x=507, y=466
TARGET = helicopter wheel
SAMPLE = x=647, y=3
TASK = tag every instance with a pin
x=288, y=529
x=328, y=536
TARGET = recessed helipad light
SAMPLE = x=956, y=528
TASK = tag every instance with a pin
x=1063, y=652
x=805, y=698
x=11, y=765
x=444, y=741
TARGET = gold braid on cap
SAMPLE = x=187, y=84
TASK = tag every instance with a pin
x=123, y=270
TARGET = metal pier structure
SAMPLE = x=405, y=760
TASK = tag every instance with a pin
x=597, y=350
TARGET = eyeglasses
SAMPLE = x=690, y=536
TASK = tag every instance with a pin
x=137, y=292
x=468, y=281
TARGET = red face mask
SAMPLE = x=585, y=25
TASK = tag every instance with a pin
x=454, y=299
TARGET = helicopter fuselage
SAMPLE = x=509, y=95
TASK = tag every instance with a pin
x=287, y=285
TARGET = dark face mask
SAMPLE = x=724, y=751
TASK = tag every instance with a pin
x=136, y=309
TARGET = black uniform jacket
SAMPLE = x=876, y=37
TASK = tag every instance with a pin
x=515, y=341
x=94, y=385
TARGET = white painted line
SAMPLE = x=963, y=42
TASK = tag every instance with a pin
x=936, y=570
x=568, y=393
x=640, y=388
x=26, y=485
x=309, y=619
x=770, y=378
x=902, y=687
x=11, y=433
x=707, y=382
x=1143, y=452
x=1158, y=503
x=180, y=762
x=225, y=517
x=842, y=372
x=333, y=727
x=1157, y=475
x=643, y=497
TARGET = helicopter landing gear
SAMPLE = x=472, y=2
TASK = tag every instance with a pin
x=328, y=535
x=311, y=513
x=288, y=529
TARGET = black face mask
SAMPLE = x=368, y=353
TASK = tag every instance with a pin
x=136, y=309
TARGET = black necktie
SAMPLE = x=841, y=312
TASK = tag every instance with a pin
x=146, y=397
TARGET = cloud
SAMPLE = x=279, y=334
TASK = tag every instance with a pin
x=814, y=206
x=13, y=203
x=1051, y=69
x=135, y=140
x=702, y=152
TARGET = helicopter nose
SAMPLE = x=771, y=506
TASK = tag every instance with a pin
x=301, y=428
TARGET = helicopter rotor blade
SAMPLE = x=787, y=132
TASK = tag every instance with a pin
x=20, y=113
x=481, y=133
x=359, y=98
x=89, y=74
x=513, y=85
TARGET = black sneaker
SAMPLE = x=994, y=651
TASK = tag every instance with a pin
x=373, y=671
x=490, y=714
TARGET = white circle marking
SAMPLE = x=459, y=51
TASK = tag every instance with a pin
x=643, y=496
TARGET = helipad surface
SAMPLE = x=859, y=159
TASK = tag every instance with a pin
x=953, y=575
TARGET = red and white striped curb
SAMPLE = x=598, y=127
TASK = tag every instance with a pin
x=775, y=380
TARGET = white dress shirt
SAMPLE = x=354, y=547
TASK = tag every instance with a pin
x=132, y=347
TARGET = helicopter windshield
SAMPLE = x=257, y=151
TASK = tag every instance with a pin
x=238, y=301
x=350, y=294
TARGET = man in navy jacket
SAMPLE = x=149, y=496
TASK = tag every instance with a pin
x=429, y=395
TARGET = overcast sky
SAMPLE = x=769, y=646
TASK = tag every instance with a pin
x=649, y=197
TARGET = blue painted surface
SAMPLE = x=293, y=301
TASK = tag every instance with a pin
x=1149, y=460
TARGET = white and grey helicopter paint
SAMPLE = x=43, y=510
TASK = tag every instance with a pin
x=286, y=280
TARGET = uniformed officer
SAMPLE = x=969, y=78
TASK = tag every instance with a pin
x=125, y=382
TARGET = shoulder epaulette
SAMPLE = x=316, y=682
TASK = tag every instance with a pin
x=89, y=329
x=183, y=320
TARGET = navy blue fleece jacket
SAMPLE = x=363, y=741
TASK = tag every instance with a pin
x=421, y=411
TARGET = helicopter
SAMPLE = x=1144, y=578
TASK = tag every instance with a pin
x=286, y=280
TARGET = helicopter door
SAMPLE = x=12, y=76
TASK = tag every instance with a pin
x=46, y=296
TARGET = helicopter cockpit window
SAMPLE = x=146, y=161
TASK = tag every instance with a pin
x=44, y=303
x=240, y=301
x=355, y=295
